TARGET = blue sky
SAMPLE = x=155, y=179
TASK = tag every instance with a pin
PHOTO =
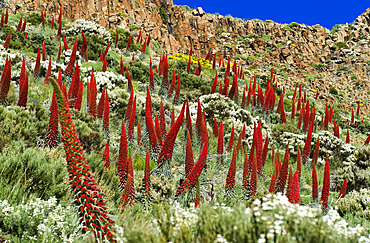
x=325, y=12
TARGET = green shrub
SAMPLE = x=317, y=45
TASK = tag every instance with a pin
x=356, y=203
x=334, y=29
x=333, y=91
x=293, y=24
x=134, y=27
x=341, y=45
x=240, y=57
x=288, y=28
x=279, y=129
x=163, y=14
x=17, y=39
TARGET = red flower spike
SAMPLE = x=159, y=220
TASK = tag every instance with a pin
x=65, y=43
x=189, y=159
x=104, y=68
x=315, y=194
x=37, y=66
x=121, y=70
x=246, y=173
x=343, y=190
x=253, y=182
x=307, y=146
x=129, y=106
x=230, y=179
x=273, y=182
x=128, y=195
x=162, y=121
x=208, y=54
x=19, y=25
x=129, y=82
x=190, y=180
x=306, y=117
x=48, y=73
x=23, y=92
x=5, y=80
x=44, y=55
x=157, y=127
x=52, y=22
x=189, y=125
x=347, y=137
x=2, y=21
x=283, y=173
x=358, y=110
x=93, y=91
x=353, y=117
x=165, y=156
x=293, y=109
x=259, y=143
x=220, y=144
x=128, y=42
x=264, y=152
x=71, y=63
x=101, y=104
x=6, y=17
x=144, y=47
x=326, y=186
x=177, y=94
x=231, y=141
x=106, y=50
x=316, y=152
x=80, y=174
x=198, y=123
x=52, y=134
x=149, y=123
x=214, y=62
x=78, y=102
x=106, y=157
x=295, y=196
x=326, y=120
x=367, y=140
x=215, y=127
x=122, y=164
x=172, y=86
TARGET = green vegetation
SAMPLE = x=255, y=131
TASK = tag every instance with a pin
x=341, y=45
x=293, y=24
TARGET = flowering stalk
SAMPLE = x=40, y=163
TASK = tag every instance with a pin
x=230, y=179
x=106, y=157
x=326, y=186
x=189, y=159
x=283, y=173
x=315, y=194
x=71, y=63
x=343, y=190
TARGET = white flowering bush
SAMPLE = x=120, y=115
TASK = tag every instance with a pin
x=40, y=220
x=356, y=203
x=89, y=28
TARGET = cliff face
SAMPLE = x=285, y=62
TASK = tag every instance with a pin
x=311, y=54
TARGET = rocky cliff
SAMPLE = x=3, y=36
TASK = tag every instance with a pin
x=319, y=57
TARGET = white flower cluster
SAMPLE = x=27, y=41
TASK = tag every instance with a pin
x=47, y=219
x=89, y=28
x=109, y=80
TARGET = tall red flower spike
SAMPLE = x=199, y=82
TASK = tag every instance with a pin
x=348, y=140
x=246, y=173
x=157, y=127
x=189, y=125
x=131, y=123
x=128, y=42
x=116, y=41
x=149, y=124
x=23, y=86
x=104, y=68
x=91, y=207
x=301, y=113
x=5, y=80
x=106, y=114
x=343, y=190
x=177, y=94
x=264, y=152
x=316, y=152
x=326, y=120
x=294, y=196
x=231, y=141
x=19, y=24
x=230, y=179
x=358, y=110
x=84, y=45
x=106, y=50
x=191, y=178
x=315, y=186
x=129, y=106
x=253, y=182
x=101, y=105
x=78, y=102
x=198, y=122
x=128, y=195
x=293, y=109
x=7, y=41
x=325, y=186
x=92, y=104
x=162, y=121
x=165, y=155
x=151, y=79
x=122, y=164
x=220, y=144
x=129, y=82
x=52, y=134
x=215, y=127
x=307, y=146
x=189, y=159
x=65, y=43
x=106, y=156
x=283, y=173
x=282, y=114
x=353, y=117
x=59, y=53
x=172, y=85
x=71, y=63
x=273, y=182
x=44, y=55
x=37, y=65
x=2, y=21
x=367, y=140
x=306, y=116
x=299, y=163
x=48, y=73
x=259, y=143
x=214, y=85
x=146, y=179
